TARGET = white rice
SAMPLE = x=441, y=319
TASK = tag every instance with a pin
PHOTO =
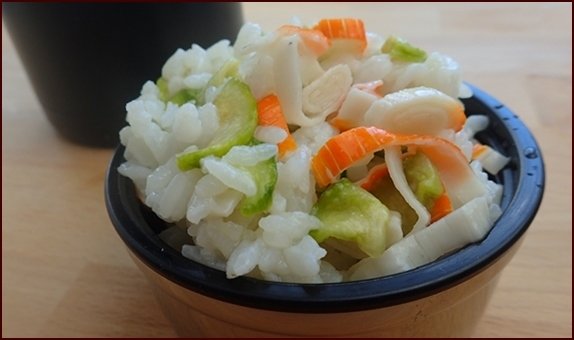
x=276, y=245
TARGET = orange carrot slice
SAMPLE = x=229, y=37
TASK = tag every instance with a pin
x=375, y=176
x=344, y=28
x=442, y=207
x=270, y=114
x=313, y=39
x=342, y=151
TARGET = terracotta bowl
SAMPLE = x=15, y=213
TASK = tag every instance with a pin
x=442, y=299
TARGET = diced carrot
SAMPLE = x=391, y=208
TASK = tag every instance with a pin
x=313, y=39
x=344, y=28
x=375, y=176
x=270, y=114
x=442, y=207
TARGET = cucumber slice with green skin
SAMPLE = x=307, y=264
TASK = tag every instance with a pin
x=197, y=96
x=401, y=50
x=228, y=70
x=180, y=98
x=237, y=109
x=423, y=178
x=161, y=84
x=186, y=96
x=265, y=176
x=350, y=213
x=386, y=192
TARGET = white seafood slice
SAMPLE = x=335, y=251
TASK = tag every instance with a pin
x=326, y=93
x=418, y=110
x=289, y=86
x=353, y=109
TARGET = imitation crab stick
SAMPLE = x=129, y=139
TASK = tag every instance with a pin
x=357, y=101
x=420, y=110
x=313, y=39
x=371, y=87
x=270, y=114
x=349, y=29
x=342, y=151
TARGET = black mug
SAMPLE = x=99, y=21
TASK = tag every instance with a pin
x=86, y=61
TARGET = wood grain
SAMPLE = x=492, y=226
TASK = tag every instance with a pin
x=66, y=273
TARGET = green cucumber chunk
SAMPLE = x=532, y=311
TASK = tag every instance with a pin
x=350, y=213
x=401, y=50
x=180, y=98
x=265, y=176
x=237, y=110
x=423, y=178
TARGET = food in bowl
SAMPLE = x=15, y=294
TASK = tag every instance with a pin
x=312, y=155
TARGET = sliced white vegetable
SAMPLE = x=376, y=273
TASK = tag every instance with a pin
x=475, y=123
x=395, y=166
x=419, y=110
x=468, y=224
x=310, y=68
x=394, y=229
x=288, y=84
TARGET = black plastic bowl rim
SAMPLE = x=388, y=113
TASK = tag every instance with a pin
x=523, y=182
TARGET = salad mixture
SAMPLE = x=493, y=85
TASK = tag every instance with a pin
x=319, y=153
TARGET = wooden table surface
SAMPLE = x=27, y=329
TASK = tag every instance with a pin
x=66, y=273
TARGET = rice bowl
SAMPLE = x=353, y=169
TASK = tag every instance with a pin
x=244, y=165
